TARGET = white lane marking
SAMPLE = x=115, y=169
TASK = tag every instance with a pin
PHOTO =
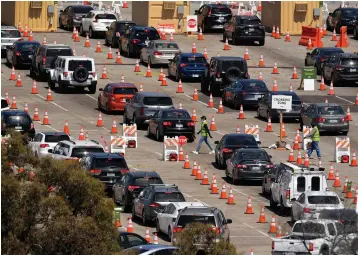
x=106, y=129
x=91, y=97
x=201, y=102
x=248, y=236
x=344, y=99
x=59, y=106
x=197, y=200
x=252, y=197
x=257, y=230
x=159, y=153
x=49, y=127
x=219, y=132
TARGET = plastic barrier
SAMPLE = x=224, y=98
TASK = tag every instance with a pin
x=253, y=130
x=171, y=153
x=313, y=34
x=343, y=150
x=130, y=135
x=306, y=143
x=343, y=38
x=118, y=145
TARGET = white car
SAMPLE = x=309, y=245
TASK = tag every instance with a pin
x=96, y=22
x=151, y=249
x=4, y=104
x=75, y=150
x=166, y=218
x=44, y=141
x=310, y=203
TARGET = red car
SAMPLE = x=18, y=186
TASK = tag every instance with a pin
x=115, y=96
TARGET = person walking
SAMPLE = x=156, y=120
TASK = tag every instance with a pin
x=315, y=140
x=205, y=132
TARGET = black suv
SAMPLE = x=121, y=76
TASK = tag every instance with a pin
x=44, y=59
x=342, y=17
x=340, y=68
x=222, y=72
x=244, y=28
x=107, y=167
x=135, y=38
x=71, y=16
x=115, y=30
x=125, y=190
x=213, y=16
x=19, y=121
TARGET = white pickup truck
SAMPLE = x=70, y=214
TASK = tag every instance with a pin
x=316, y=237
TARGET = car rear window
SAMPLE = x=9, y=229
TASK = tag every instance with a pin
x=229, y=63
x=110, y=162
x=83, y=9
x=4, y=103
x=10, y=34
x=161, y=101
x=27, y=46
x=105, y=16
x=248, y=22
x=254, y=155
x=187, y=219
x=14, y=120
x=349, y=61
x=330, y=110
x=58, y=52
x=168, y=197
x=241, y=141
x=220, y=10
x=309, y=228
x=176, y=114
x=146, y=181
x=124, y=91
x=74, y=64
x=146, y=34
x=166, y=46
x=350, y=12
x=301, y=184
x=329, y=200
x=56, y=138
x=193, y=60
x=253, y=86
x=79, y=152
x=121, y=27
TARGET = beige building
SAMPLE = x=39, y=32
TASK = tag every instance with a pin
x=40, y=16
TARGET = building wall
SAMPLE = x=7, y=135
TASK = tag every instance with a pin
x=140, y=12
x=7, y=13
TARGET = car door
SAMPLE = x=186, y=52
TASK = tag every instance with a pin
x=166, y=217
x=276, y=188
x=173, y=64
x=297, y=207
x=86, y=21
x=106, y=95
x=223, y=226
x=35, y=144
x=311, y=59
x=68, y=16
x=130, y=106
x=153, y=123
x=219, y=147
x=110, y=31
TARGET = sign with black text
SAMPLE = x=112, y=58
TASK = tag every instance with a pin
x=281, y=102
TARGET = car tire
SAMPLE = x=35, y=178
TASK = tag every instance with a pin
x=273, y=204
x=99, y=106
x=234, y=180
x=133, y=213
x=144, y=219
x=82, y=32
x=222, y=164
x=158, y=136
x=283, y=209
x=61, y=86
x=128, y=52
x=51, y=84
x=236, y=104
x=234, y=40
x=262, y=42
x=148, y=132
x=345, y=133
x=90, y=33
x=114, y=43
x=355, y=33
x=324, y=251
x=170, y=234
x=232, y=74
x=92, y=89
x=204, y=86
x=157, y=227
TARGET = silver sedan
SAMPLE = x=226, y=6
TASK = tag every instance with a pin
x=159, y=52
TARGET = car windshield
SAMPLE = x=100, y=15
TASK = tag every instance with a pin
x=110, y=162
x=330, y=110
x=10, y=34
x=230, y=63
x=168, y=197
x=147, y=180
x=329, y=200
x=146, y=34
x=161, y=101
x=82, y=9
x=253, y=86
x=121, y=27
x=124, y=91
x=56, y=138
x=187, y=219
x=220, y=10
x=79, y=152
x=4, y=103
x=241, y=141
x=74, y=64
x=349, y=61
x=254, y=155
x=253, y=21
x=350, y=12
x=309, y=228
x=166, y=46
x=176, y=115
x=14, y=120
x=193, y=59
x=105, y=16
x=27, y=46
x=58, y=52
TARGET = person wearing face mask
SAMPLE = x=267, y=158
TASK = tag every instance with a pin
x=205, y=132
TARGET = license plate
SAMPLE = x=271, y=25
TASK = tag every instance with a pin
x=333, y=121
x=179, y=125
x=195, y=75
x=251, y=29
x=168, y=55
x=288, y=253
x=221, y=18
x=353, y=70
x=30, y=56
x=18, y=128
x=109, y=174
x=256, y=168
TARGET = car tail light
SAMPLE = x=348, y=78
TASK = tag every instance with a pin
x=31, y=126
x=217, y=230
x=269, y=166
x=273, y=245
x=122, y=154
x=322, y=59
x=178, y=229
x=183, y=64
x=96, y=171
x=95, y=20
x=21, y=39
x=135, y=41
x=142, y=111
x=345, y=119
x=218, y=74
x=18, y=53
x=320, y=119
x=243, y=93
x=44, y=61
x=310, y=246
x=167, y=123
x=131, y=188
x=191, y=124
x=132, y=144
x=154, y=205
x=241, y=166
x=44, y=145
x=306, y=210
x=65, y=74
x=209, y=14
x=226, y=150
x=93, y=74
x=288, y=194
x=157, y=53
x=123, y=171
x=339, y=68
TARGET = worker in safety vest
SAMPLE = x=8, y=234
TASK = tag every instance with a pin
x=205, y=132
x=315, y=140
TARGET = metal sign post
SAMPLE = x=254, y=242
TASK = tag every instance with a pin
x=281, y=103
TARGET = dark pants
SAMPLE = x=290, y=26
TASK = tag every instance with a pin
x=314, y=146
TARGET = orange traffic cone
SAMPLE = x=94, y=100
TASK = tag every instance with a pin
x=114, y=127
x=46, y=120
x=118, y=58
x=161, y=74
x=198, y=176
x=294, y=75
x=193, y=49
x=205, y=54
x=200, y=35
x=136, y=67
x=221, y=107
x=163, y=35
x=149, y=72
x=212, y=181
x=349, y=193
x=36, y=115
x=86, y=136
x=275, y=69
x=211, y=101
x=223, y=194
x=262, y=218
x=334, y=36
x=186, y=162
x=337, y=182
x=125, y=5
x=44, y=41
x=298, y=136
x=147, y=235
x=226, y=46
x=238, y=129
x=155, y=240
x=331, y=90
x=259, y=9
x=275, y=87
x=354, y=159
x=34, y=88
x=296, y=146
x=306, y=162
x=260, y=76
x=291, y=156
x=87, y=42
x=13, y=103
x=230, y=200
x=288, y=37
x=249, y=206
x=18, y=81
x=212, y=124
x=141, y=88
x=180, y=87
x=31, y=37
x=345, y=186
x=26, y=108
x=104, y=73
x=214, y=187
x=13, y=74
x=246, y=55
x=322, y=86
x=130, y=228
x=98, y=48
x=110, y=54
x=283, y=130
x=195, y=95
x=77, y=37
x=309, y=45
x=181, y=154
x=273, y=229
x=205, y=180
x=277, y=34
x=49, y=95
x=73, y=33
x=290, y=89
x=331, y=173
x=299, y=158
x=269, y=125
x=273, y=33
x=81, y=137
x=349, y=116
x=241, y=113
x=261, y=63
x=321, y=31
x=279, y=230
x=194, y=169
x=99, y=121
x=7, y=97
x=164, y=81
x=26, y=32
x=171, y=38
x=66, y=129
x=193, y=116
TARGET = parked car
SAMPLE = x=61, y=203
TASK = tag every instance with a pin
x=244, y=28
x=43, y=141
x=144, y=105
x=310, y=203
x=187, y=66
x=222, y=72
x=72, y=16
x=96, y=22
x=159, y=52
x=114, y=96
x=342, y=17
x=128, y=240
x=21, y=53
x=244, y=92
x=265, y=110
x=154, y=198
x=18, y=120
x=171, y=122
x=45, y=57
x=231, y=142
x=9, y=35
x=4, y=104
x=319, y=55
x=341, y=69
x=213, y=16
x=125, y=190
x=151, y=249
x=327, y=117
x=75, y=149
x=135, y=38
x=115, y=30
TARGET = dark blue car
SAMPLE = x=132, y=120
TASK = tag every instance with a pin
x=319, y=55
x=187, y=66
x=21, y=53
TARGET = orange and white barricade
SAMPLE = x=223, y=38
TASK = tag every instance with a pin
x=253, y=130
x=343, y=150
x=171, y=148
x=130, y=135
x=306, y=143
x=118, y=145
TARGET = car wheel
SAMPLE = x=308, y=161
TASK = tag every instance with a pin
x=148, y=132
x=114, y=43
x=344, y=132
x=234, y=180
x=128, y=52
x=204, y=85
x=99, y=106
x=236, y=104
x=273, y=204
x=157, y=227
x=158, y=136
x=144, y=219
x=262, y=42
x=355, y=33
x=51, y=84
x=133, y=213
x=234, y=41
x=92, y=88
x=324, y=251
x=170, y=234
x=283, y=209
x=81, y=31
x=90, y=33
x=222, y=164
x=32, y=74
x=177, y=76
x=60, y=23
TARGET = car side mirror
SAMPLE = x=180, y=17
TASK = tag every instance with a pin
x=270, y=156
x=100, y=89
x=259, y=142
x=293, y=199
x=107, y=28
x=342, y=199
x=61, y=10
x=216, y=142
x=228, y=221
x=50, y=150
x=196, y=12
x=330, y=14
x=174, y=219
x=308, y=53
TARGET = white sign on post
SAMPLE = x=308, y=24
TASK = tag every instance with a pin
x=192, y=23
x=282, y=102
